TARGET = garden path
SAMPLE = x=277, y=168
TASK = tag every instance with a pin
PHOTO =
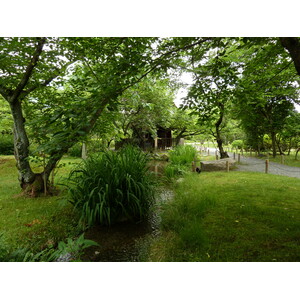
x=252, y=164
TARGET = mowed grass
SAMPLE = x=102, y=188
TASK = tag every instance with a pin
x=231, y=217
x=34, y=223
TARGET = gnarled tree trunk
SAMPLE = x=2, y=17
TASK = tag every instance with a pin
x=30, y=182
x=223, y=153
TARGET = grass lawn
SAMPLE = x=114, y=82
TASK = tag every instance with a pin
x=34, y=223
x=231, y=217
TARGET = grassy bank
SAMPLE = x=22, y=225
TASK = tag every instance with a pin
x=34, y=223
x=231, y=217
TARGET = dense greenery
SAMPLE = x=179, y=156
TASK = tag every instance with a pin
x=58, y=90
x=6, y=144
x=112, y=186
x=180, y=158
x=57, y=94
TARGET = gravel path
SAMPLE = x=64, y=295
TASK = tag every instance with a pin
x=251, y=164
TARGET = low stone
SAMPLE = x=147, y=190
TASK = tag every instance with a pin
x=217, y=165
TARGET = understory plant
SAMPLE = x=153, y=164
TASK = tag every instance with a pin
x=112, y=186
x=183, y=155
x=180, y=160
x=71, y=250
x=6, y=144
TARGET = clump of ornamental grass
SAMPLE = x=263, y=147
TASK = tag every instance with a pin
x=182, y=155
x=112, y=186
x=180, y=160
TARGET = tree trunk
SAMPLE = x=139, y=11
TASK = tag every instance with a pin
x=179, y=136
x=297, y=153
x=290, y=146
x=292, y=44
x=30, y=182
x=21, y=145
x=279, y=146
x=223, y=153
x=273, y=137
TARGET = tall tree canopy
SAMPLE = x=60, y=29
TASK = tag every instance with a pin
x=58, y=88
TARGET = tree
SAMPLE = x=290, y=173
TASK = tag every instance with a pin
x=266, y=90
x=145, y=107
x=211, y=94
x=185, y=124
x=105, y=67
x=61, y=86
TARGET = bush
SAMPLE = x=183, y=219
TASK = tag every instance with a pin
x=6, y=144
x=183, y=155
x=112, y=186
x=75, y=151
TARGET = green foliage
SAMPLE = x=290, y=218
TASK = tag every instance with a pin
x=6, y=123
x=71, y=250
x=6, y=144
x=180, y=160
x=183, y=155
x=112, y=186
x=238, y=144
x=75, y=151
x=174, y=170
x=144, y=107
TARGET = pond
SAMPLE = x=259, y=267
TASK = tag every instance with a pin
x=122, y=242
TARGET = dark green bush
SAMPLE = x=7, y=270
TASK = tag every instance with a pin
x=6, y=144
x=112, y=186
x=75, y=151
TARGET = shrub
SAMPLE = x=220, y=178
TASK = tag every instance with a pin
x=75, y=151
x=180, y=160
x=183, y=155
x=6, y=144
x=112, y=186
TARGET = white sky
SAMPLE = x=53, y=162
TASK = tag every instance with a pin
x=182, y=92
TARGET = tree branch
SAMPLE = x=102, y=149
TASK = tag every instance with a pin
x=29, y=69
x=159, y=60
